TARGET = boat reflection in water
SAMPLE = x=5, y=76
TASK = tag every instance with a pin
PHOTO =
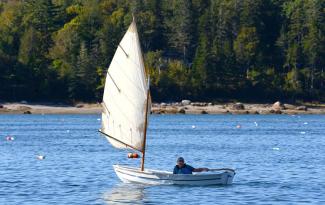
x=125, y=194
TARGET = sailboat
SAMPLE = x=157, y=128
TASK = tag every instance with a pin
x=126, y=108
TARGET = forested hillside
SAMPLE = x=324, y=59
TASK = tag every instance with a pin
x=59, y=50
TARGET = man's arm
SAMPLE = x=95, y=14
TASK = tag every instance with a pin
x=175, y=170
x=200, y=169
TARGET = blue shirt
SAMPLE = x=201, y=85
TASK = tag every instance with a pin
x=186, y=169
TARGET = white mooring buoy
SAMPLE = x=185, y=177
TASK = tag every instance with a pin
x=40, y=157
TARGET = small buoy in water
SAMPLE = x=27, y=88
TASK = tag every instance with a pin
x=193, y=126
x=98, y=119
x=276, y=148
x=133, y=155
x=10, y=138
x=256, y=124
x=68, y=131
x=40, y=157
x=238, y=126
x=305, y=123
x=303, y=133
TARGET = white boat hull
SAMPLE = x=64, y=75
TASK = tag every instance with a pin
x=155, y=177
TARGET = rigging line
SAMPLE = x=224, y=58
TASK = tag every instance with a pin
x=119, y=90
x=127, y=145
x=123, y=50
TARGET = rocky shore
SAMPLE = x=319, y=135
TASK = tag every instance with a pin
x=184, y=107
x=188, y=107
x=29, y=108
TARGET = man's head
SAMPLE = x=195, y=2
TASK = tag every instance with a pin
x=180, y=161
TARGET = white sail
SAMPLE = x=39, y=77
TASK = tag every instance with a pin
x=125, y=94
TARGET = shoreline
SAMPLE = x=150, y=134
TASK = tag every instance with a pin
x=185, y=107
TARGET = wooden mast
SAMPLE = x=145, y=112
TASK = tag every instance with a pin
x=145, y=133
x=146, y=118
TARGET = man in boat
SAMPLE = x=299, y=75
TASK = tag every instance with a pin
x=182, y=168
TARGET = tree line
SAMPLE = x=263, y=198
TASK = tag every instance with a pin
x=59, y=50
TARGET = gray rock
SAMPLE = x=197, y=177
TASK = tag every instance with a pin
x=210, y=104
x=277, y=106
x=304, y=108
x=27, y=112
x=238, y=106
x=199, y=104
x=163, y=104
x=181, y=111
x=289, y=106
x=186, y=102
x=204, y=112
x=79, y=105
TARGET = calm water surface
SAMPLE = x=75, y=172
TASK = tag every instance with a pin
x=280, y=159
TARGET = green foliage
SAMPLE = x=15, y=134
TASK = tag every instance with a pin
x=198, y=49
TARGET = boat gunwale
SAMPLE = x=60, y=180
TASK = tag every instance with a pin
x=205, y=177
x=152, y=171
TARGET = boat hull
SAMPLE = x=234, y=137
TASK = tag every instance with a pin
x=155, y=177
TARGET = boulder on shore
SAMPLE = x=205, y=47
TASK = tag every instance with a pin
x=181, y=111
x=1, y=106
x=186, y=102
x=79, y=105
x=238, y=106
x=304, y=108
x=289, y=106
x=204, y=112
x=277, y=106
x=199, y=104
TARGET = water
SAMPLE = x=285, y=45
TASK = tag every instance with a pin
x=279, y=159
